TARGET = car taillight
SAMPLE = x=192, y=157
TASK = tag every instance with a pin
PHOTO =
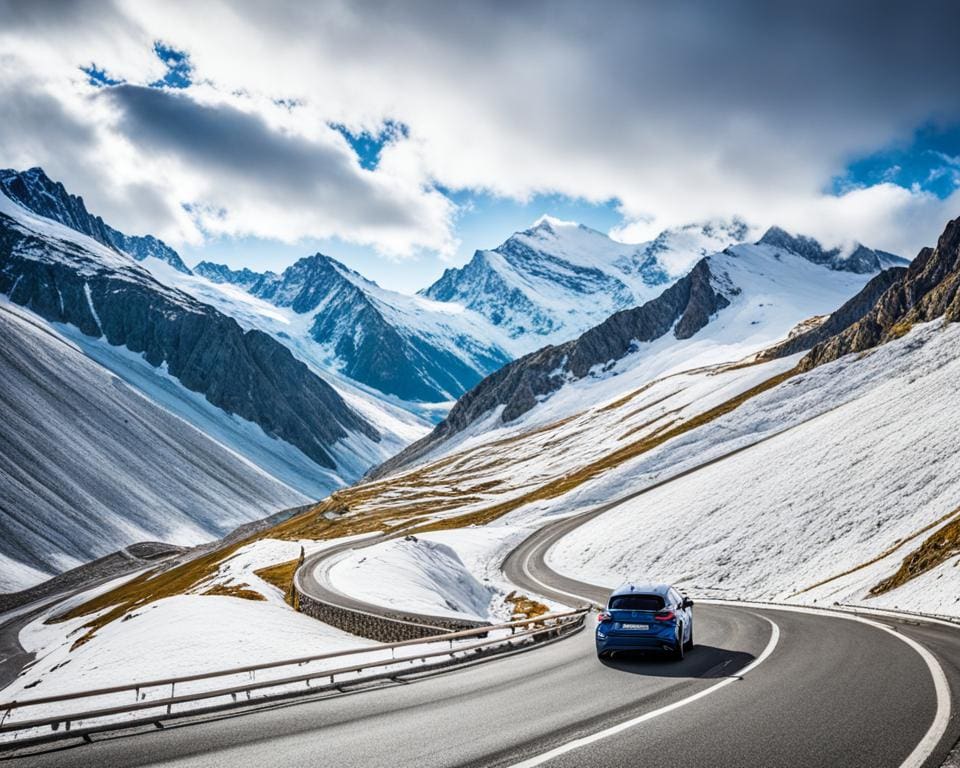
x=664, y=615
x=603, y=616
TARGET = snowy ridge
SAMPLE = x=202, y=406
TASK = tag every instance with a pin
x=35, y=191
x=66, y=420
x=550, y=283
x=111, y=304
x=731, y=305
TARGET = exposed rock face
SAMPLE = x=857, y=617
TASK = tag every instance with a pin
x=861, y=260
x=247, y=373
x=926, y=291
x=34, y=190
x=838, y=321
x=221, y=273
x=685, y=307
x=557, y=279
x=374, y=342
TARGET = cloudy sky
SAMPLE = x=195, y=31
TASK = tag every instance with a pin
x=401, y=136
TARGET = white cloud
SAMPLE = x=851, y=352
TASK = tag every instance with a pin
x=681, y=111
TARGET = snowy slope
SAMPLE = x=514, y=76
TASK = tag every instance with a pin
x=243, y=387
x=434, y=579
x=863, y=462
x=731, y=305
x=89, y=465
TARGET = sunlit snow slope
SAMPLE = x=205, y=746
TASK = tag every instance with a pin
x=89, y=465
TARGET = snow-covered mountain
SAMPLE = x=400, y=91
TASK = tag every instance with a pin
x=731, y=304
x=36, y=192
x=548, y=284
x=407, y=347
x=90, y=465
x=240, y=386
x=221, y=273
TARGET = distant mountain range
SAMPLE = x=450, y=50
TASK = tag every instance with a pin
x=408, y=347
x=293, y=384
x=555, y=280
x=730, y=304
x=544, y=285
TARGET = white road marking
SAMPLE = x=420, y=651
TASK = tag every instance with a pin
x=941, y=686
x=915, y=759
x=570, y=746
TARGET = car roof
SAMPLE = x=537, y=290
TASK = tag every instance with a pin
x=641, y=589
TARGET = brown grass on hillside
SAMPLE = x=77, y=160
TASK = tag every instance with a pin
x=411, y=500
x=886, y=553
x=901, y=328
x=936, y=549
x=281, y=576
x=234, y=590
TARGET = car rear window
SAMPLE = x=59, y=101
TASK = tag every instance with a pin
x=636, y=603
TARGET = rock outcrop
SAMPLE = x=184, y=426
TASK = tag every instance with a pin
x=37, y=192
x=247, y=373
x=851, y=312
x=927, y=290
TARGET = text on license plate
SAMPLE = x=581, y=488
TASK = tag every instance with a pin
x=635, y=626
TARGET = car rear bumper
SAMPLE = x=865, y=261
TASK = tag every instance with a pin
x=665, y=640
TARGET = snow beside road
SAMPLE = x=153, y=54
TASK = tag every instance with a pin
x=864, y=460
x=416, y=575
x=454, y=573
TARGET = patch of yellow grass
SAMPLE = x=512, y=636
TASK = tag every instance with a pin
x=525, y=607
x=901, y=328
x=281, y=576
x=936, y=549
x=234, y=590
x=886, y=553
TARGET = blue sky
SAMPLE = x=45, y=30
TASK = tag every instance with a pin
x=484, y=221
x=929, y=160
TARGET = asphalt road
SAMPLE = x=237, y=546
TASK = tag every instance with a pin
x=827, y=691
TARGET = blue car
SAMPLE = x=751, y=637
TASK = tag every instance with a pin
x=646, y=617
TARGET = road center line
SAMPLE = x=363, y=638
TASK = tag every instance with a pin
x=620, y=727
x=941, y=686
x=915, y=759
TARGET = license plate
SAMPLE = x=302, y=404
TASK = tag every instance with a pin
x=635, y=626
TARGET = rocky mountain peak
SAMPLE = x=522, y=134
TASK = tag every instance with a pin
x=929, y=289
x=860, y=259
x=37, y=192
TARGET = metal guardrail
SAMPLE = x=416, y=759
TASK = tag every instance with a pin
x=852, y=608
x=557, y=624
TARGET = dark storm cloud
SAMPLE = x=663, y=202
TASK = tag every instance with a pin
x=677, y=109
x=231, y=143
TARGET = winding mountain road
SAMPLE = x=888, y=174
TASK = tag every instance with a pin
x=764, y=687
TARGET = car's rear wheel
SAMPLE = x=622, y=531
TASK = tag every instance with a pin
x=679, y=648
x=690, y=641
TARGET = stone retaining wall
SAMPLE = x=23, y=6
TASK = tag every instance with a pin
x=385, y=628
